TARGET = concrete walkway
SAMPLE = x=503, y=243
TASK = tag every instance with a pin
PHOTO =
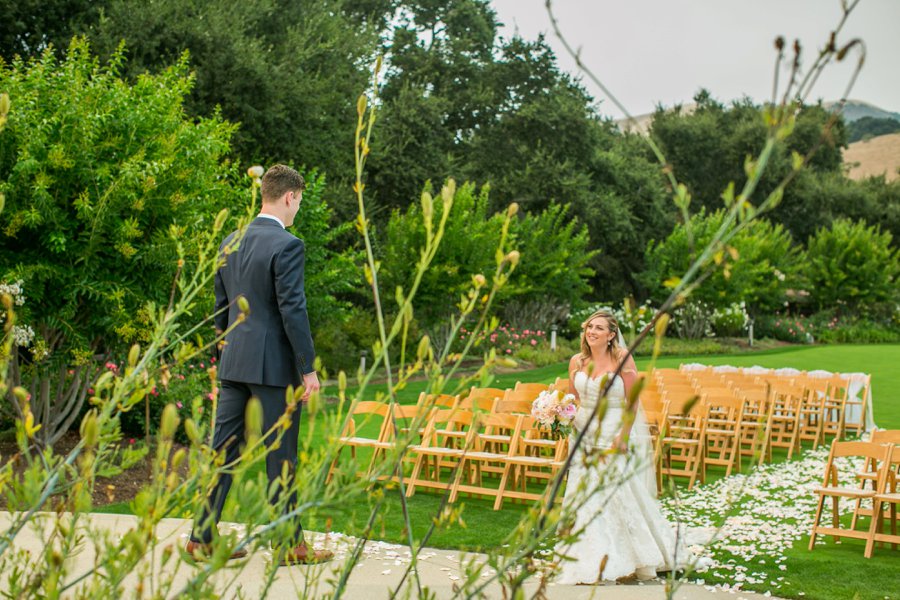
x=376, y=576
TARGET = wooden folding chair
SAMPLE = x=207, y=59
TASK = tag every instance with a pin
x=886, y=494
x=532, y=389
x=753, y=423
x=871, y=468
x=366, y=417
x=783, y=421
x=810, y=425
x=481, y=399
x=833, y=488
x=652, y=404
x=561, y=384
x=679, y=450
x=485, y=457
x=437, y=400
x=402, y=420
x=857, y=406
x=833, y=408
x=522, y=465
x=724, y=422
x=433, y=455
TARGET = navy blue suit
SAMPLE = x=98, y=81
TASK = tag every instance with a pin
x=271, y=349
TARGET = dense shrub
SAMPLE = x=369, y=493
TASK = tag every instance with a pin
x=853, y=265
x=730, y=321
x=341, y=338
x=188, y=383
x=692, y=320
x=104, y=180
x=785, y=328
x=553, y=248
x=766, y=268
x=505, y=339
x=541, y=355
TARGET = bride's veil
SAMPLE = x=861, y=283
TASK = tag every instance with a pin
x=642, y=443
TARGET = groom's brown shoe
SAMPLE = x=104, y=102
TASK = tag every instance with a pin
x=302, y=555
x=201, y=551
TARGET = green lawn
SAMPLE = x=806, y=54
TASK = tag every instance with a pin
x=830, y=572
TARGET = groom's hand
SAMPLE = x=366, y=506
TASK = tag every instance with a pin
x=310, y=385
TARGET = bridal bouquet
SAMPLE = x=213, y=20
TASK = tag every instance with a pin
x=555, y=411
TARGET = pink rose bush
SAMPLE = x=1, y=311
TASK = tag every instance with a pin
x=555, y=411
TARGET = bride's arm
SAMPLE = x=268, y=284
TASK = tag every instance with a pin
x=629, y=375
x=574, y=367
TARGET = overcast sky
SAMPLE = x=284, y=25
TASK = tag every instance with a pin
x=652, y=51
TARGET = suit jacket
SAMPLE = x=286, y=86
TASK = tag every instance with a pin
x=273, y=346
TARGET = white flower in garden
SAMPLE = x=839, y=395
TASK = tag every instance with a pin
x=22, y=335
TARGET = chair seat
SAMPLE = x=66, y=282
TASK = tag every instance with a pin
x=540, y=442
x=893, y=498
x=846, y=492
x=500, y=439
x=534, y=460
x=436, y=450
x=486, y=456
x=671, y=440
x=361, y=441
x=450, y=433
x=868, y=475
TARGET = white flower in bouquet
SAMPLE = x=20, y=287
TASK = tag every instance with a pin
x=555, y=411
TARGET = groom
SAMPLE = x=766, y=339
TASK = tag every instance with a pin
x=270, y=349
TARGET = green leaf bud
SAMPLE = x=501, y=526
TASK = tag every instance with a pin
x=169, y=422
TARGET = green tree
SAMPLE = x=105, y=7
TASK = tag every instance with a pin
x=869, y=127
x=31, y=26
x=852, y=264
x=103, y=181
x=767, y=266
x=287, y=72
x=708, y=146
x=553, y=248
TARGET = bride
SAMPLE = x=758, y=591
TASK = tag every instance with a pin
x=611, y=485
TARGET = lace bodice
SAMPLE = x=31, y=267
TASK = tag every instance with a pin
x=588, y=389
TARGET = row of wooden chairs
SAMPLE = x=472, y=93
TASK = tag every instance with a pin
x=856, y=405
x=876, y=483
x=483, y=443
x=706, y=419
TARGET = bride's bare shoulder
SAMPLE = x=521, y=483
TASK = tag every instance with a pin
x=575, y=364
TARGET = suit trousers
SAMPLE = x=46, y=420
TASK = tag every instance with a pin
x=229, y=435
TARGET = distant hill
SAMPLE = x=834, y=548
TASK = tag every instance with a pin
x=853, y=111
x=876, y=156
x=857, y=109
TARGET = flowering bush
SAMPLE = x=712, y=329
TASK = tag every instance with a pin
x=693, y=320
x=506, y=339
x=22, y=335
x=832, y=328
x=731, y=321
x=185, y=384
x=555, y=412
x=786, y=328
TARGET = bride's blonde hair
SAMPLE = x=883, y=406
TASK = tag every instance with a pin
x=614, y=348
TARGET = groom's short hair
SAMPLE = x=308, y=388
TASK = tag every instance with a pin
x=279, y=180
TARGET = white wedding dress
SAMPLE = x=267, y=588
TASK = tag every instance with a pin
x=621, y=522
